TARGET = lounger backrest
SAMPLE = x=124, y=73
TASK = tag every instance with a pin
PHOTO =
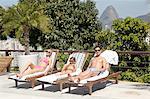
x=110, y=56
x=80, y=58
x=53, y=58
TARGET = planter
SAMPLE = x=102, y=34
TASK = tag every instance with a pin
x=23, y=60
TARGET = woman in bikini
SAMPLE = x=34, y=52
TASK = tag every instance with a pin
x=68, y=68
x=44, y=65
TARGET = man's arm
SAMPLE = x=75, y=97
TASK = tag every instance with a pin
x=105, y=65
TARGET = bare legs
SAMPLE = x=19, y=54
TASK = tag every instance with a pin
x=29, y=70
x=64, y=72
x=83, y=75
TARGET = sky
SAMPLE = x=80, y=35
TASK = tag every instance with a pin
x=7, y=3
x=124, y=8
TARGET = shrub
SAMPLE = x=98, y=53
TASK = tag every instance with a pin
x=129, y=75
x=145, y=78
x=62, y=59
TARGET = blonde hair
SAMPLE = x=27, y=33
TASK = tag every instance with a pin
x=48, y=50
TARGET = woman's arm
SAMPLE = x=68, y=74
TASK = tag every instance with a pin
x=64, y=67
x=48, y=67
x=74, y=68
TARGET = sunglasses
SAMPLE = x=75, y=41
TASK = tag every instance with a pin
x=97, y=50
x=48, y=51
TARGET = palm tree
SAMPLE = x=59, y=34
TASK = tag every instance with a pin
x=22, y=17
x=2, y=11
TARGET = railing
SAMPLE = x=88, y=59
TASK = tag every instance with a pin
x=121, y=54
x=135, y=53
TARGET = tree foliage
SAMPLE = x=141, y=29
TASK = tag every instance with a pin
x=127, y=35
x=24, y=16
x=131, y=34
x=2, y=11
x=106, y=38
x=75, y=24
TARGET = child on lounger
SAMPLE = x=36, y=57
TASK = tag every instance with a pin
x=68, y=68
x=45, y=64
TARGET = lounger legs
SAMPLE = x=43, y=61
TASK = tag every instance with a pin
x=16, y=83
x=32, y=83
x=60, y=86
x=8, y=69
x=116, y=82
x=90, y=89
x=42, y=86
x=69, y=88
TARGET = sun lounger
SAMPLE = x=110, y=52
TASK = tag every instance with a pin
x=112, y=58
x=59, y=80
x=32, y=77
x=5, y=62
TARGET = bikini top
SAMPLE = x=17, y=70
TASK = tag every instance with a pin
x=68, y=68
x=45, y=60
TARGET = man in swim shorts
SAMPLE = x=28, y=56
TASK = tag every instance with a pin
x=96, y=66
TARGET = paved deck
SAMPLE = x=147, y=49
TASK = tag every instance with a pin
x=123, y=90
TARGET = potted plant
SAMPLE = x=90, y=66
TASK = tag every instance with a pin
x=24, y=16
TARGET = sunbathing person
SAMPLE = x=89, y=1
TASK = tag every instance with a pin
x=44, y=65
x=96, y=66
x=68, y=68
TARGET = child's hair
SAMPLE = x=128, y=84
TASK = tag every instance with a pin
x=73, y=58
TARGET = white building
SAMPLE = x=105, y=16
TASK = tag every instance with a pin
x=10, y=44
x=147, y=39
x=14, y=44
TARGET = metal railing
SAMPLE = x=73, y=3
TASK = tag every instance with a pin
x=121, y=54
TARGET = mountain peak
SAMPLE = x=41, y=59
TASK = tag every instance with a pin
x=145, y=17
x=110, y=7
x=108, y=16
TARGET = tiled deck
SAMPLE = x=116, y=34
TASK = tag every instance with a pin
x=123, y=90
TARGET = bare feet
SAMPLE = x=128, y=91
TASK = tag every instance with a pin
x=19, y=75
x=77, y=80
x=70, y=78
x=69, y=75
x=73, y=79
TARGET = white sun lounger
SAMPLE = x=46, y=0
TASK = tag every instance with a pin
x=31, y=77
x=112, y=58
x=51, y=79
